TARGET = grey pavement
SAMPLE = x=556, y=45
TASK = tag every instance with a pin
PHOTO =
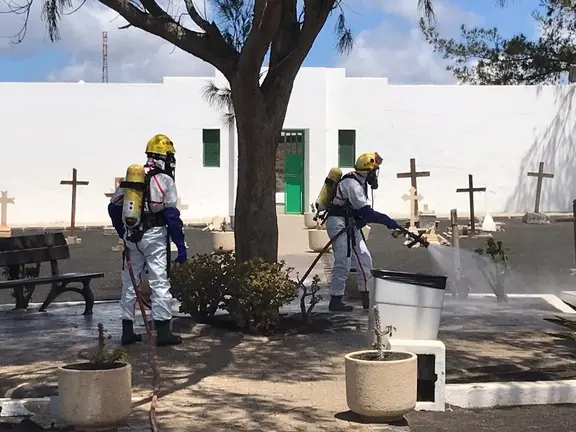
x=485, y=342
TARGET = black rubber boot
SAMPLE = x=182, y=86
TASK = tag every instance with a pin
x=128, y=335
x=365, y=300
x=164, y=336
x=337, y=305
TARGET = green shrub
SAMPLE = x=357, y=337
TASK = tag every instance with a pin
x=257, y=291
x=201, y=283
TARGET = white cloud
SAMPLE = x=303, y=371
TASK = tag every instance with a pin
x=396, y=48
x=133, y=55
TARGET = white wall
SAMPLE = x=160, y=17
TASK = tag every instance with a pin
x=101, y=129
x=495, y=133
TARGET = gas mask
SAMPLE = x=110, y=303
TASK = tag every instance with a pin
x=372, y=178
x=170, y=165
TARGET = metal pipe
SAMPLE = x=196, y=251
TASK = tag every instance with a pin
x=455, y=245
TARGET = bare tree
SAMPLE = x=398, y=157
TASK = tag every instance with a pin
x=238, y=45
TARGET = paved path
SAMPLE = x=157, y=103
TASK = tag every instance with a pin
x=225, y=381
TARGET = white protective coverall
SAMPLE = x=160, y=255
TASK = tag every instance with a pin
x=151, y=251
x=349, y=192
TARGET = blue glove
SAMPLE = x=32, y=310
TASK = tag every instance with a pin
x=372, y=216
x=360, y=222
x=176, y=232
x=115, y=213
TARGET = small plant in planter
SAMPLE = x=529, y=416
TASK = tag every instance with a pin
x=312, y=292
x=497, y=268
x=223, y=239
x=381, y=384
x=96, y=393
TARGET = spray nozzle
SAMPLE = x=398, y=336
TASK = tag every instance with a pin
x=416, y=238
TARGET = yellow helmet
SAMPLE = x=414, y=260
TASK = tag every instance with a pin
x=160, y=144
x=368, y=162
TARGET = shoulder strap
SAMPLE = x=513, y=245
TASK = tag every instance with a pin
x=147, y=179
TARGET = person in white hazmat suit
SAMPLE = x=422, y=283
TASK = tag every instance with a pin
x=149, y=245
x=350, y=206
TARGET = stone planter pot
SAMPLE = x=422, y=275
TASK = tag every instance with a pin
x=317, y=239
x=309, y=221
x=223, y=240
x=381, y=390
x=95, y=398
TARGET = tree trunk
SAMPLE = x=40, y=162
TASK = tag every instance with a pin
x=259, y=129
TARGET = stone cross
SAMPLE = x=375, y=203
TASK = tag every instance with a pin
x=471, y=189
x=413, y=197
x=117, y=181
x=74, y=183
x=181, y=206
x=541, y=175
x=413, y=175
x=4, y=201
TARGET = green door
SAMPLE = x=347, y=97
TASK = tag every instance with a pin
x=293, y=143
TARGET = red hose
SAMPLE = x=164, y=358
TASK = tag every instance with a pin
x=152, y=343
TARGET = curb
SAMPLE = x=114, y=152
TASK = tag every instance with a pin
x=491, y=395
x=28, y=407
x=470, y=396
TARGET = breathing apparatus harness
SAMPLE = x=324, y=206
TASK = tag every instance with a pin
x=148, y=219
x=346, y=210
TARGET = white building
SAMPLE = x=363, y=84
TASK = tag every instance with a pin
x=496, y=133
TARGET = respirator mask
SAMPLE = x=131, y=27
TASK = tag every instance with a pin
x=372, y=178
x=170, y=165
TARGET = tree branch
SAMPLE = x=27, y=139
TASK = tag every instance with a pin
x=287, y=35
x=264, y=27
x=205, y=46
x=154, y=8
x=287, y=62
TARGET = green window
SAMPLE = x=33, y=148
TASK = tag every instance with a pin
x=211, y=141
x=346, y=148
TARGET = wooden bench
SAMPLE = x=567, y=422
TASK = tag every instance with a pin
x=16, y=252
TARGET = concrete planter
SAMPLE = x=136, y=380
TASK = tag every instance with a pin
x=317, y=239
x=309, y=221
x=382, y=390
x=223, y=241
x=92, y=398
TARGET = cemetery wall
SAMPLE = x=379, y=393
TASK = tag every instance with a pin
x=497, y=134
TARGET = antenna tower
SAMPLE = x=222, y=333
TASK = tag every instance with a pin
x=104, y=57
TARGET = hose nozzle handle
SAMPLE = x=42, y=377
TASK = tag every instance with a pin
x=416, y=238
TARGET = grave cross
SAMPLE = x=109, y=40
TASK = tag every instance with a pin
x=4, y=201
x=74, y=182
x=117, y=181
x=471, y=189
x=413, y=175
x=413, y=197
x=541, y=175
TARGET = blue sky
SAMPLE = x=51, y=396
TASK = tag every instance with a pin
x=36, y=59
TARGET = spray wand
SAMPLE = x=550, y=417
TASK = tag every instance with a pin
x=416, y=238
